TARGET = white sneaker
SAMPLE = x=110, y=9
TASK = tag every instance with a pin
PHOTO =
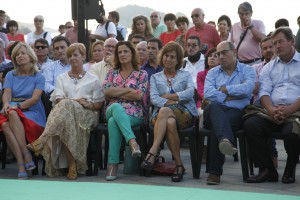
x=227, y=148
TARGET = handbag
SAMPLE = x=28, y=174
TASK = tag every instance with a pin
x=161, y=167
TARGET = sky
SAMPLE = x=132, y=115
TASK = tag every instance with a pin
x=58, y=12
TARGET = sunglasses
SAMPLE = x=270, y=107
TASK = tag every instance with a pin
x=38, y=20
x=195, y=15
x=40, y=47
x=153, y=16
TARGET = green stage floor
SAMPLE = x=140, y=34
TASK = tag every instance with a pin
x=59, y=190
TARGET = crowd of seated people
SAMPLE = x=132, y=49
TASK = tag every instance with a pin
x=115, y=79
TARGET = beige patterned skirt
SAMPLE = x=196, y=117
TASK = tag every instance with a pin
x=68, y=125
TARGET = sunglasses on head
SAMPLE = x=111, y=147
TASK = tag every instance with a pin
x=195, y=15
x=40, y=47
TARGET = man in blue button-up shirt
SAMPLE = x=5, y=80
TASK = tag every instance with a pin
x=55, y=68
x=279, y=95
x=228, y=87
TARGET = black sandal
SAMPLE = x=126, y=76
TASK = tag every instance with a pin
x=146, y=164
x=177, y=177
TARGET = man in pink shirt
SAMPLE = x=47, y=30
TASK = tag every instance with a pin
x=72, y=33
x=247, y=34
x=208, y=35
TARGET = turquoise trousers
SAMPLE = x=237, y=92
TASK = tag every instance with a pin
x=119, y=124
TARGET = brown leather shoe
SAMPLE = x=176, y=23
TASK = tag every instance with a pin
x=265, y=175
x=213, y=179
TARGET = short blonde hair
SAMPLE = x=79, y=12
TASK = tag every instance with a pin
x=31, y=54
x=81, y=48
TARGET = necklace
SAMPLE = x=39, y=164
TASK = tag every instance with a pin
x=169, y=81
x=75, y=78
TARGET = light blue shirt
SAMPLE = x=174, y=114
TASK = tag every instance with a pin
x=239, y=85
x=51, y=71
x=183, y=86
x=159, y=29
x=281, y=81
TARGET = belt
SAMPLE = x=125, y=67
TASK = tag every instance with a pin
x=250, y=61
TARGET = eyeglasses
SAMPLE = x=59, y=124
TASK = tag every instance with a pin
x=223, y=52
x=192, y=45
x=109, y=46
x=195, y=15
x=38, y=20
x=40, y=47
x=153, y=16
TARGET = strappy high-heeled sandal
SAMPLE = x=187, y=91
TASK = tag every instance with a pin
x=30, y=165
x=22, y=175
x=177, y=177
x=112, y=172
x=72, y=172
x=135, y=149
x=36, y=147
x=146, y=164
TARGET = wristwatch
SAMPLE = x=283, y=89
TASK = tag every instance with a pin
x=250, y=27
x=19, y=105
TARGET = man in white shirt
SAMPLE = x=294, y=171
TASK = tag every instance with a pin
x=104, y=31
x=194, y=62
x=39, y=31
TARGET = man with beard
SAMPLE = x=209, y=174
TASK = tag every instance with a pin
x=102, y=33
x=267, y=51
x=228, y=87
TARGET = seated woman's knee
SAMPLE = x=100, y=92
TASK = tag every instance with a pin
x=12, y=114
x=171, y=122
x=165, y=112
x=5, y=125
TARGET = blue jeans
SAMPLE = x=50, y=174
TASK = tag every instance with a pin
x=119, y=125
x=223, y=121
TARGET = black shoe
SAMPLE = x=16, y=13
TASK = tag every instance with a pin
x=146, y=164
x=265, y=175
x=289, y=171
x=177, y=177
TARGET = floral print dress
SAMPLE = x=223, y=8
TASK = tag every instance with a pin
x=137, y=80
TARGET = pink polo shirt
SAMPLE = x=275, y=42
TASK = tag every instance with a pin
x=249, y=48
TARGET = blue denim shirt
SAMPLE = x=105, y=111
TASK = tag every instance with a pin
x=183, y=86
x=239, y=85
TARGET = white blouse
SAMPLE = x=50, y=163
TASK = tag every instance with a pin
x=88, y=87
